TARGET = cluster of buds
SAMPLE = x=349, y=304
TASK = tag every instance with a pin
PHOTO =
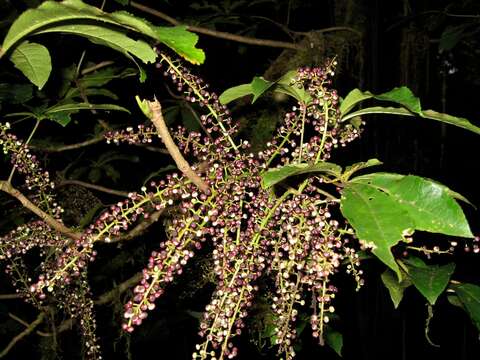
x=253, y=232
x=37, y=180
x=307, y=251
x=142, y=135
x=73, y=259
x=28, y=236
x=216, y=121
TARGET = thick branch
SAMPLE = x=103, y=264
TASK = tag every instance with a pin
x=94, y=187
x=24, y=333
x=218, y=34
x=58, y=226
x=182, y=164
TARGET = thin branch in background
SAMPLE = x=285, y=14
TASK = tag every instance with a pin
x=60, y=148
x=52, y=222
x=10, y=296
x=217, y=34
x=26, y=324
x=153, y=148
x=119, y=289
x=93, y=187
x=139, y=229
x=23, y=334
x=182, y=164
x=95, y=67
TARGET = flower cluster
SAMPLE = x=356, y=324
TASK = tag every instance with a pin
x=287, y=236
x=293, y=238
x=73, y=259
x=37, y=180
x=143, y=135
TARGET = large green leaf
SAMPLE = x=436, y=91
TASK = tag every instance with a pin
x=377, y=219
x=430, y=280
x=258, y=86
x=469, y=295
x=113, y=38
x=402, y=96
x=394, y=287
x=276, y=175
x=383, y=208
x=74, y=12
x=34, y=61
x=427, y=114
x=430, y=204
x=399, y=95
x=182, y=42
x=353, y=98
x=48, y=13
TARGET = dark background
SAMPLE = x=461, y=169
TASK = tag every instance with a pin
x=430, y=46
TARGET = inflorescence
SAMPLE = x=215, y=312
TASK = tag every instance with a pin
x=287, y=238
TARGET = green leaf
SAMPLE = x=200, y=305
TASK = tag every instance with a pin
x=61, y=113
x=452, y=120
x=353, y=98
x=182, y=42
x=452, y=35
x=469, y=295
x=431, y=280
x=276, y=175
x=52, y=14
x=429, y=203
x=377, y=219
x=350, y=170
x=63, y=118
x=85, y=106
x=34, y=61
x=75, y=93
x=15, y=93
x=334, y=339
x=455, y=301
x=427, y=114
x=103, y=35
x=394, y=287
x=103, y=76
x=403, y=96
x=259, y=85
x=235, y=93
x=284, y=86
x=399, y=95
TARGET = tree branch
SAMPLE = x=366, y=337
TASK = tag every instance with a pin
x=182, y=164
x=53, y=223
x=24, y=333
x=124, y=286
x=217, y=34
x=26, y=324
x=93, y=187
x=139, y=229
x=61, y=148
x=10, y=296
